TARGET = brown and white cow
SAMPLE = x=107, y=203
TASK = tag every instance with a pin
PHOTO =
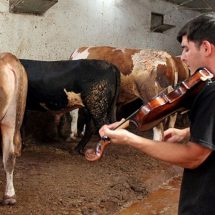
x=13, y=90
x=144, y=74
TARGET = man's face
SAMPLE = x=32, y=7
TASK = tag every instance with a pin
x=191, y=54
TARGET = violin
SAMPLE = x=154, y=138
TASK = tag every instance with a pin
x=159, y=107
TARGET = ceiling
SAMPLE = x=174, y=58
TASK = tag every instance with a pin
x=40, y=6
x=202, y=6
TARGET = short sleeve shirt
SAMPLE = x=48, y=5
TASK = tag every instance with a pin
x=198, y=185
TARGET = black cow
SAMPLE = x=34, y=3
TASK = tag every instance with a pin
x=61, y=86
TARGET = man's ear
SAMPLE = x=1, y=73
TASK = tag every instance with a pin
x=206, y=47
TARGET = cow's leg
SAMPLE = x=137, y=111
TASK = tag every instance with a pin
x=158, y=132
x=84, y=130
x=9, y=160
x=17, y=143
x=57, y=126
x=82, y=121
x=74, y=124
x=172, y=120
x=87, y=134
x=23, y=128
x=159, y=129
x=169, y=122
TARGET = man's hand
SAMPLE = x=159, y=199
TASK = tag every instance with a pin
x=176, y=135
x=110, y=126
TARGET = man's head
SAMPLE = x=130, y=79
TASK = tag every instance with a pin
x=199, y=29
x=197, y=39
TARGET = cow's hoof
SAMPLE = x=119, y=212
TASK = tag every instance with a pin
x=79, y=150
x=9, y=200
x=73, y=136
x=70, y=139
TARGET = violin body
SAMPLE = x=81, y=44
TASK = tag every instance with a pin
x=163, y=105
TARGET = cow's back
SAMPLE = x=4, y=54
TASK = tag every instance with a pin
x=58, y=73
x=144, y=73
x=119, y=57
x=48, y=80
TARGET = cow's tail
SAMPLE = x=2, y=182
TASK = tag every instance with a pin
x=117, y=90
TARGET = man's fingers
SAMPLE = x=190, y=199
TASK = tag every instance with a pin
x=167, y=136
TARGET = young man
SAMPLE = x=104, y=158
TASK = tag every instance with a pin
x=196, y=156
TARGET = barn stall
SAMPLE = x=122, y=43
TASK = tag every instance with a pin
x=50, y=178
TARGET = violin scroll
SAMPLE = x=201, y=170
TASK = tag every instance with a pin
x=93, y=155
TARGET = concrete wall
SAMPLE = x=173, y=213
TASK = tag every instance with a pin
x=70, y=24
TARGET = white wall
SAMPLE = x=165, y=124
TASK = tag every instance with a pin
x=70, y=24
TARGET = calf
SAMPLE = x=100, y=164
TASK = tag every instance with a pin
x=13, y=90
x=144, y=73
x=61, y=86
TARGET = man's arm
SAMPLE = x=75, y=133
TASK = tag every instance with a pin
x=187, y=155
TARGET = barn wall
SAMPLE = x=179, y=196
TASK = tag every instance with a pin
x=70, y=24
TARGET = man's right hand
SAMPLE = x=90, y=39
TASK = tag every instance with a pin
x=110, y=126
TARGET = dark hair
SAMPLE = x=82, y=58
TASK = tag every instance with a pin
x=199, y=29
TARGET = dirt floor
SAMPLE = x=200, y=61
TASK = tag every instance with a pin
x=50, y=179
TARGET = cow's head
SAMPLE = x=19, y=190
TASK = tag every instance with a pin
x=74, y=100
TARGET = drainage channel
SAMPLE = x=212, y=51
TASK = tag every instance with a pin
x=163, y=201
